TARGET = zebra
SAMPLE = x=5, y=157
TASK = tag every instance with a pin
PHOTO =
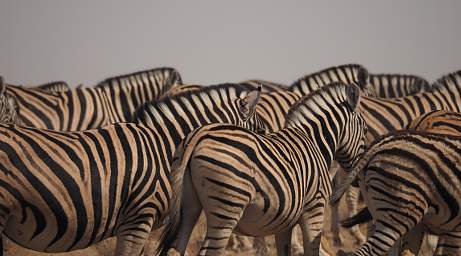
x=261, y=185
x=113, y=100
x=64, y=191
x=410, y=177
x=384, y=86
x=386, y=115
x=397, y=85
x=440, y=122
x=273, y=108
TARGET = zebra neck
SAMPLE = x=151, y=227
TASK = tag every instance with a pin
x=324, y=136
x=172, y=127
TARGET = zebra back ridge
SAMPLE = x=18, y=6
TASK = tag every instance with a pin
x=397, y=85
x=349, y=74
x=55, y=86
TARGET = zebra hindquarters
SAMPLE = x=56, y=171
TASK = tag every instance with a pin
x=449, y=244
x=394, y=209
x=223, y=197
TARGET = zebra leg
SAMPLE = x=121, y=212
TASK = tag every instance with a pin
x=130, y=245
x=131, y=238
x=312, y=226
x=334, y=213
x=283, y=242
x=222, y=216
x=449, y=244
x=297, y=247
x=352, y=200
x=383, y=237
x=219, y=230
x=413, y=239
x=190, y=212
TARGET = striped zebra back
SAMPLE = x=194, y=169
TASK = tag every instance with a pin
x=439, y=121
x=397, y=85
x=114, y=100
x=348, y=74
x=385, y=115
x=56, y=86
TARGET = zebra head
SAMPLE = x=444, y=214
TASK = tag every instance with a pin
x=352, y=139
x=250, y=119
x=8, y=106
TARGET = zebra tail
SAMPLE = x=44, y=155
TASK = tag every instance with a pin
x=180, y=163
x=359, y=166
x=362, y=216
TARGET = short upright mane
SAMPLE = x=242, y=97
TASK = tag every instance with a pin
x=334, y=93
x=445, y=81
x=218, y=93
x=297, y=83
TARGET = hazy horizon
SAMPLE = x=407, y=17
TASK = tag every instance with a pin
x=211, y=42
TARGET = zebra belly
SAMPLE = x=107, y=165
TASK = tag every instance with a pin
x=256, y=222
x=47, y=240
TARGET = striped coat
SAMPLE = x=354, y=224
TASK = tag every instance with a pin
x=67, y=190
x=407, y=178
x=113, y=100
x=262, y=185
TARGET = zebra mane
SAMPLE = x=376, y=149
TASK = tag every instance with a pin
x=298, y=82
x=332, y=94
x=208, y=96
x=445, y=81
x=138, y=73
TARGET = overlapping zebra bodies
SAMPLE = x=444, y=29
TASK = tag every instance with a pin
x=113, y=100
x=261, y=185
x=439, y=122
x=412, y=177
x=67, y=190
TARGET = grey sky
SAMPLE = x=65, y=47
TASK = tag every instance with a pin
x=224, y=41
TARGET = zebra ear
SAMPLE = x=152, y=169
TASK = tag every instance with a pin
x=353, y=96
x=362, y=77
x=251, y=100
x=12, y=101
x=2, y=86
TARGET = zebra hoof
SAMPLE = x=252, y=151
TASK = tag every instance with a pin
x=343, y=253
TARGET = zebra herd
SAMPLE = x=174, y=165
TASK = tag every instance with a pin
x=144, y=152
